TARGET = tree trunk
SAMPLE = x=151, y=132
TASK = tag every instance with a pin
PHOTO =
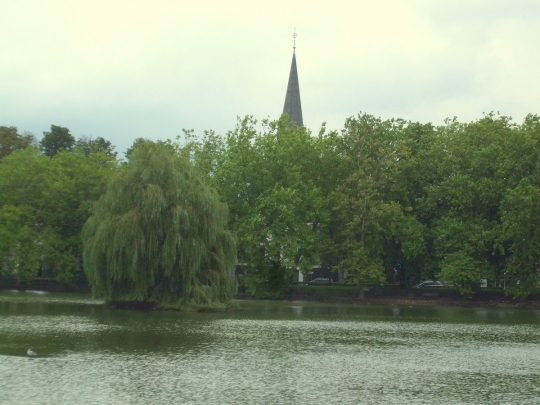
x=362, y=293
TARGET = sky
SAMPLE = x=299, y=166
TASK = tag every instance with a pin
x=123, y=69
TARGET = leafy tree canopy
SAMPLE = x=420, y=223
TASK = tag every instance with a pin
x=57, y=139
x=11, y=140
x=159, y=234
x=43, y=204
x=268, y=181
x=88, y=145
x=381, y=201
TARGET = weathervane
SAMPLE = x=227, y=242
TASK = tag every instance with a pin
x=294, y=35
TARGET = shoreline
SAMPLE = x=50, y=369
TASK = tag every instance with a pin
x=507, y=303
x=419, y=302
x=388, y=295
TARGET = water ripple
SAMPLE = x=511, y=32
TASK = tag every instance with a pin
x=122, y=357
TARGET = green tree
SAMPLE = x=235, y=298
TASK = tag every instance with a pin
x=159, y=234
x=520, y=209
x=11, y=140
x=137, y=143
x=88, y=145
x=521, y=217
x=462, y=201
x=21, y=248
x=370, y=212
x=52, y=198
x=141, y=142
x=270, y=181
x=57, y=139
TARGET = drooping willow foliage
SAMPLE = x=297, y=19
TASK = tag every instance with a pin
x=159, y=234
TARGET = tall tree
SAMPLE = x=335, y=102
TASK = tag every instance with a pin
x=11, y=140
x=57, y=139
x=160, y=234
x=142, y=142
x=43, y=204
x=88, y=145
x=369, y=209
x=519, y=240
x=20, y=247
x=269, y=181
x=462, y=201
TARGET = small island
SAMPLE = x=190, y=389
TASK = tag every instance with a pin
x=158, y=237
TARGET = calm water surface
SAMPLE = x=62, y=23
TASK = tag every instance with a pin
x=265, y=353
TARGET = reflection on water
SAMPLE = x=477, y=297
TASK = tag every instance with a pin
x=266, y=353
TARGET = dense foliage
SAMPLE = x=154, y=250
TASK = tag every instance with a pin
x=382, y=201
x=58, y=139
x=44, y=203
x=11, y=140
x=270, y=182
x=159, y=234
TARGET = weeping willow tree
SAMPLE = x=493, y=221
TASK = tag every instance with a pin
x=159, y=234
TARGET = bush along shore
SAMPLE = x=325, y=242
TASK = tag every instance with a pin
x=397, y=295
x=180, y=306
x=385, y=295
x=51, y=285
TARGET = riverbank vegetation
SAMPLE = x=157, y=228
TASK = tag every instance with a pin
x=382, y=201
x=46, y=196
x=159, y=234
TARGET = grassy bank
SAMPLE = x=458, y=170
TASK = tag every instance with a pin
x=48, y=284
x=384, y=295
x=397, y=295
x=181, y=306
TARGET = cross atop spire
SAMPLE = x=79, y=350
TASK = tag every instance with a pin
x=294, y=35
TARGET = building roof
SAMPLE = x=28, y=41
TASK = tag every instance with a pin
x=292, y=106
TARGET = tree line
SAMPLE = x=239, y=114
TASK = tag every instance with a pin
x=380, y=200
x=47, y=189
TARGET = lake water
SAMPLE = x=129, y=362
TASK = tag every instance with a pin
x=265, y=353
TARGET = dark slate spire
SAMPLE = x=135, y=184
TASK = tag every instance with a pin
x=292, y=106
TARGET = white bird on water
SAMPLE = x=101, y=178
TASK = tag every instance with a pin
x=31, y=353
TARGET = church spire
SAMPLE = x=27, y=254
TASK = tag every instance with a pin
x=292, y=106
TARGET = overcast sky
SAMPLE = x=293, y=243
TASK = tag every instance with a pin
x=140, y=68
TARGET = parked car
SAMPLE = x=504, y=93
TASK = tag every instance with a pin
x=320, y=281
x=429, y=284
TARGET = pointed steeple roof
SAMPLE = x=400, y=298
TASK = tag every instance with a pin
x=292, y=106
